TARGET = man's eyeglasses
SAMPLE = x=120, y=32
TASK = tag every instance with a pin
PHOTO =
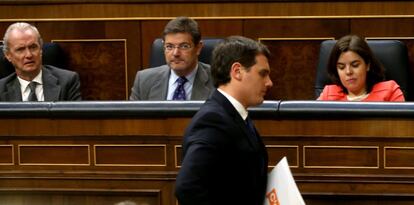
x=181, y=47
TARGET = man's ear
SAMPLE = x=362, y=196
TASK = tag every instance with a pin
x=235, y=71
x=7, y=55
x=199, y=46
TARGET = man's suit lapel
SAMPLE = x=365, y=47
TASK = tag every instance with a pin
x=220, y=98
x=255, y=141
x=160, y=87
x=51, y=89
x=13, y=90
x=200, y=88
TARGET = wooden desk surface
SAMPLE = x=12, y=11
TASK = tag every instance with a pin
x=135, y=157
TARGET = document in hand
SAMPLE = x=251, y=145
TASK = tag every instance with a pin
x=281, y=187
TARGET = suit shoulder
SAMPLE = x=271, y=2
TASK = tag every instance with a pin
x=333, y=90
x=388, y=83
x=59, y=71
x=155, y=70
x=212, y=113
x=152, y=72
x=204, y=65
x=385, y=86
x=211, y=125
x=7, y=79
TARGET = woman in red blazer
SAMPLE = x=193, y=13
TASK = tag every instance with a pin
x=357, y=74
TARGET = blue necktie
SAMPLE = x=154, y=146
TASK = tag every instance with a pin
x=179, y=93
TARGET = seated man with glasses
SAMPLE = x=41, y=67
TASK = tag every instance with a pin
x=183, y=77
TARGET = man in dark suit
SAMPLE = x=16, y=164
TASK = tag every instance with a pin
x=224, y=158
x=183, y=77
x=33, y=81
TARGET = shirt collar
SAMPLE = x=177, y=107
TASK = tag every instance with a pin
x=190, y=77
x=24, y=83
x=236, y=104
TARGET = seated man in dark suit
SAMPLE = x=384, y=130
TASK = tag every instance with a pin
x=184, y=77
x=33, y=81
x=224, y=158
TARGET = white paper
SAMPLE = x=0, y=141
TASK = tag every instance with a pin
x=281, y=187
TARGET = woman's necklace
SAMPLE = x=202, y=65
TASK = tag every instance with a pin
x=358, y=97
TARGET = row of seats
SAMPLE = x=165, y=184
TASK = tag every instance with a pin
x=393, y=55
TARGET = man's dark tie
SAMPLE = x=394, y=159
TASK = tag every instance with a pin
x=250, y=127
x=179, y=93
x=252, y=130
x=32, y=95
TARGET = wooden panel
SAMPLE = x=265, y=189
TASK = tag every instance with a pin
x=69, y=155
x=153, y=9
x=359, y=200
x=108, y=30
x=383, y=27
x=293, y=68
x=86, y=127
x=340, y=157
x=117, y=30
x=130, y=155
x=295, y=28
x=277, y=152
x=178, y=155
x=399, y=157
x=6, y=155
x=150, y=31
x=356, y=128
x=66, y=197
x=101, y=66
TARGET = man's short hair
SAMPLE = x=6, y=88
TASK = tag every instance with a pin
x=234, y=49
x=183, y=24
x=22, y=26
